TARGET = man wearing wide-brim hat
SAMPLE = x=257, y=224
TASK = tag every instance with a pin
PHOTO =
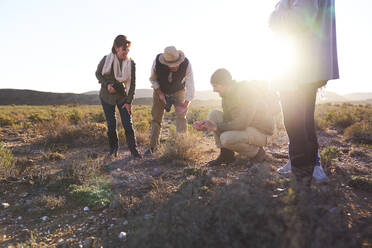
x=171, y=76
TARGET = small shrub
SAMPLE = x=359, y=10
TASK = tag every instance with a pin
x=183, y=147
x=142, y=126
x=7, y=161
x=98, y=117
x=328, y=155
x=360, y=132
x=121, y=136
x=363, y=183
x=94, y=194
x=75, y=116
x=5, y=121
x=53, y=156
x=51, y=202
x=36, y=118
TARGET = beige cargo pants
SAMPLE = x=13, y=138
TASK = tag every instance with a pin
x=157, y=113
x=245, y=142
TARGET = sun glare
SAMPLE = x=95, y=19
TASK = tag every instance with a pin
x=283, y=57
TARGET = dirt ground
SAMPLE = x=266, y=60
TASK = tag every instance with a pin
x=73, y=225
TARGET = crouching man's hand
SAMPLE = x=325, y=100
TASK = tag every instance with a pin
x=205, y=126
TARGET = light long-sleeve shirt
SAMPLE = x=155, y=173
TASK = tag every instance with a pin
x=188, y=79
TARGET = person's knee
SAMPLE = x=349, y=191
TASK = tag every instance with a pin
x=226, y=140
x=214, y=115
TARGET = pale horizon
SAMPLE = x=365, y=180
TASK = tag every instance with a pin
x=56, y=46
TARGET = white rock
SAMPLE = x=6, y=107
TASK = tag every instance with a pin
x=5, y=205
x=125, y=223
x=86, y=209
x=19, y=218
x=44, y=218
x=147, y=216
x=122, y=235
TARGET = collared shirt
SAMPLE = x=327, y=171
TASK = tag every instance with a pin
x=189, y=81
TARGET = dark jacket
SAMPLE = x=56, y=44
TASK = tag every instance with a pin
x=116, y=98
x=244, y=106
x=177, y=83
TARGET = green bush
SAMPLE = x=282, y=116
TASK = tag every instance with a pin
x=75, y=116
x=363, y=183
x=5, y=121
x=142, y=126
x=98, y=117
x=7, y=160
x=94, y=194
x=360, y=132
x=328, y=155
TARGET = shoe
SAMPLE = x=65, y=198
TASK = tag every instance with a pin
x=113, y=151
x=260, y=156
x=226, y=156
x=150, y=151
x=287, y=168
x=136, y=154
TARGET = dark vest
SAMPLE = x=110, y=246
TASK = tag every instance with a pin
x=162, y=73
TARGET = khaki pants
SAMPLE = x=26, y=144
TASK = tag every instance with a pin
x=157, y=113
x=246, y=142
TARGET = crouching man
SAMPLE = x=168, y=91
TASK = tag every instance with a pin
x=245, y=122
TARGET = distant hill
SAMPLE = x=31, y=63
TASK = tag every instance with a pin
x=145, y=93
x=143, y=97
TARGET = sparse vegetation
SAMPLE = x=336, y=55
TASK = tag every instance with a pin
x=7, y=161
x=58, y=165
x=328, y=155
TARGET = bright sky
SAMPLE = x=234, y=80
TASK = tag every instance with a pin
x=56, y=45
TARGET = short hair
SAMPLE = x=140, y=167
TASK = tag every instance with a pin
x=120, y=41
x=221, y=76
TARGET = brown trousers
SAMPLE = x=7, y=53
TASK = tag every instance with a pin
x=157, y=113
x=245, y=142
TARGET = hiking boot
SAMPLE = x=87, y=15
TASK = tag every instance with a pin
x=136, y=154
x=260, y=156
x=226, y=156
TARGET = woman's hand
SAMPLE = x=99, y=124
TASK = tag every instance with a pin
x=128, y=107
x=111, y=89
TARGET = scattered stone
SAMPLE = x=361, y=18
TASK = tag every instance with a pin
x=5, y=205
x=19, y=218
x=89, y=242
x=275, y=196
x=125, y=223
x=44, y=218
x=122, y=235
x=147, y=216
x=280, y=189
x=86, y=209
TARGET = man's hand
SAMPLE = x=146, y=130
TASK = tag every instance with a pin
x=161, y=95
x=205, y=126
x=181, y=109
x=210, y=126
x=128, y=107
x=111, y=89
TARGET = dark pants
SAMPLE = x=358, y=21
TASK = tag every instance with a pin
x=298, y=112
x=126, y=120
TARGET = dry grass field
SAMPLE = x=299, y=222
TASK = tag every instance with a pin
x=58, y=189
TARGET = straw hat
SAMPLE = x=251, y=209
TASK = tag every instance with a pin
x=172, y=57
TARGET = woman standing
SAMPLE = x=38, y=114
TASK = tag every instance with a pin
x=116, y=73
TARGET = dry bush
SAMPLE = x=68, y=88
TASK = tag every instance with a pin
x=7, y=161
x=51, y=202
x=183, y=147
x=60, y=131
x=360, y=132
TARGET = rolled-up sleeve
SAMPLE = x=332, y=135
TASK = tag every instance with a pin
x=153, y=78
x=189, y=84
